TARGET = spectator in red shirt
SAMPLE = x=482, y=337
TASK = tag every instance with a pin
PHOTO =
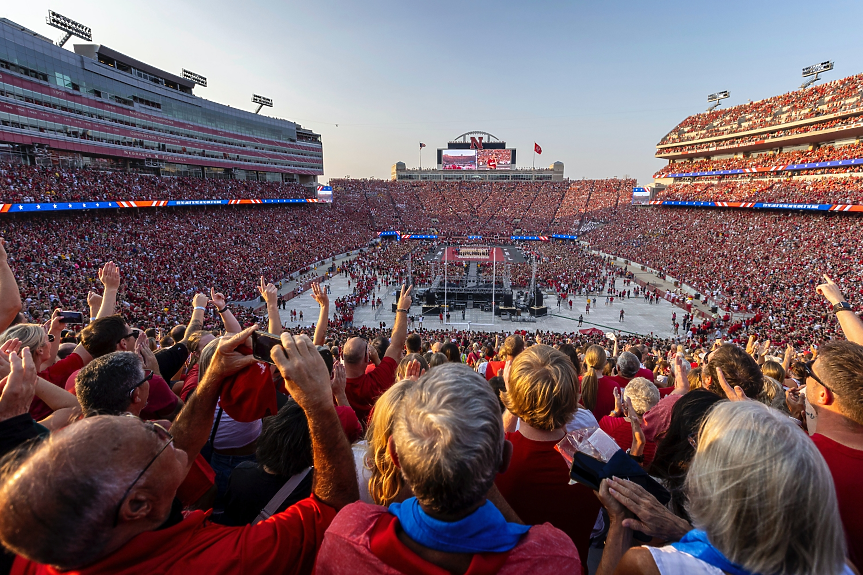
x=448, y=441
x=512, y=346
x=100, y=491
x=364, y=388
x=542, y=391
x=834, y=394
x=643, y=395
x=626, y=368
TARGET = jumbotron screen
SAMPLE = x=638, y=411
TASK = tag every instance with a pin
x=493, y=159
x=458, y=159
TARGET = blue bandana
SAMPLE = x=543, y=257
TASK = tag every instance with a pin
x=483, y=531
x=696, y=544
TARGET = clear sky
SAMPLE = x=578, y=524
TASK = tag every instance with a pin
x=596, y=84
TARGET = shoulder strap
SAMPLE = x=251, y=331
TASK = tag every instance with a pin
x=281, y=496
x=212, y=441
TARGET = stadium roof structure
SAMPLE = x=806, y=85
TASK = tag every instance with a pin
x=464, y=137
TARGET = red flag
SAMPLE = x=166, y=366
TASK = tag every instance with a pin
x=536, y=148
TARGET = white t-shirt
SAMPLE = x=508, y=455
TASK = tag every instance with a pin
x=234, y=434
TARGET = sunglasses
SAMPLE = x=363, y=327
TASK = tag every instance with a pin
x=807, y=369
x=136, y=333
x=162, y=434
x=148, y=375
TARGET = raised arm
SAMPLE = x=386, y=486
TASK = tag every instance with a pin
x=199, y=306
x=852, y=327
x=109, y=275
x=94, y=302
x=10, y=296
x=320, y=296
x=400, y=327
x=271, y=297
x=191, y=429
x=228, y=320
x=308, y=383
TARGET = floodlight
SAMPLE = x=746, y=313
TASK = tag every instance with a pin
x=69, y=26
x=815, y=70
x=261, y=101
x=717, y=97
x=196, y=78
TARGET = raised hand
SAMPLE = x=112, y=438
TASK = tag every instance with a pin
x=199, y=300
x=9, y=347
x=338, y=383
x=268, y=291
x=405, y=297
x=19, y=387
x=148, y=358
x=218, y=299
x=830, y=291
x=681, y=379
x=109, y=275
x=320, y=295
x=735, y=394
x=638, y=437
x=618, y=406
x=414, y=370
x=304, y=372
x=227, y=360
x=94, y=300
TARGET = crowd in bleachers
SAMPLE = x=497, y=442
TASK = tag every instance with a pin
x=735, y=142
x=766, y=160
x=455, y=208
x=824, y=99
x=361, y=450
x=746, y=261
x=823, y=190
x=22, y=183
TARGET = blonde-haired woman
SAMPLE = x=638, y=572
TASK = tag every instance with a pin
x=761, y=499
x=595, y=359
x=380, y=480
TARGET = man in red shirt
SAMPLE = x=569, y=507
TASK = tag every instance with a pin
x=99, y=493
x=512, y=346
x=364, y=388
x=451, y=525
x=834, y=397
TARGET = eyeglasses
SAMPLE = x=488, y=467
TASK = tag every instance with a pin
x=162, y=434
x=50, y=337
x=148, y=375
x=807, y=368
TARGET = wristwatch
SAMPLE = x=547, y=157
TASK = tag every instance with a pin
x=842, y=306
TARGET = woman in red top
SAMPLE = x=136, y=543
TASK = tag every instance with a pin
x=542, y=391
x=595, y=359
x=643, y=395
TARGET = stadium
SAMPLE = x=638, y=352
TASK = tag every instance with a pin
x=144, y=226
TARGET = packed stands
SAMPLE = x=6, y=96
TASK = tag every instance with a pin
x=837, y=97
x=22, y=183
x=769, y=160
x=824, y=190
x=746, y=261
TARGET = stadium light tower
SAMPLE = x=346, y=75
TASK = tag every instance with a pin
x=717, y=99
x=196, y=78
x=69, y=26
x=261, y=101
x=814, y=70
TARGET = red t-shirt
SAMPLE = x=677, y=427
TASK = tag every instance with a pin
x=362, y=540
x=536, y=485
x=605, y=394
x=190, y=382
x=363, y=391
x=494, y=368
x=287, y=542
x=620, y=431
x=56, y=374
x=645, y=373
x=846, y=466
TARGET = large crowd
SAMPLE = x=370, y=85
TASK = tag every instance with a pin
x=346, y=449
x=786, y=190
x=23, y=183
x=825, y=99
x=768, y=160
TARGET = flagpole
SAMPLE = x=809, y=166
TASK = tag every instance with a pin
x=533, y=164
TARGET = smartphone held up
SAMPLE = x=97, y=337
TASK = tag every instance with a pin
x=262, y=343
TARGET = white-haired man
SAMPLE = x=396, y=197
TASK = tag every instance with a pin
x=449, y=442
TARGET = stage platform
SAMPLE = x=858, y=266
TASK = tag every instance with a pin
x=501, y=254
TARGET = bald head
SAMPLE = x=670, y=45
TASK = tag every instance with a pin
x=355, y=351
x=57, y=503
